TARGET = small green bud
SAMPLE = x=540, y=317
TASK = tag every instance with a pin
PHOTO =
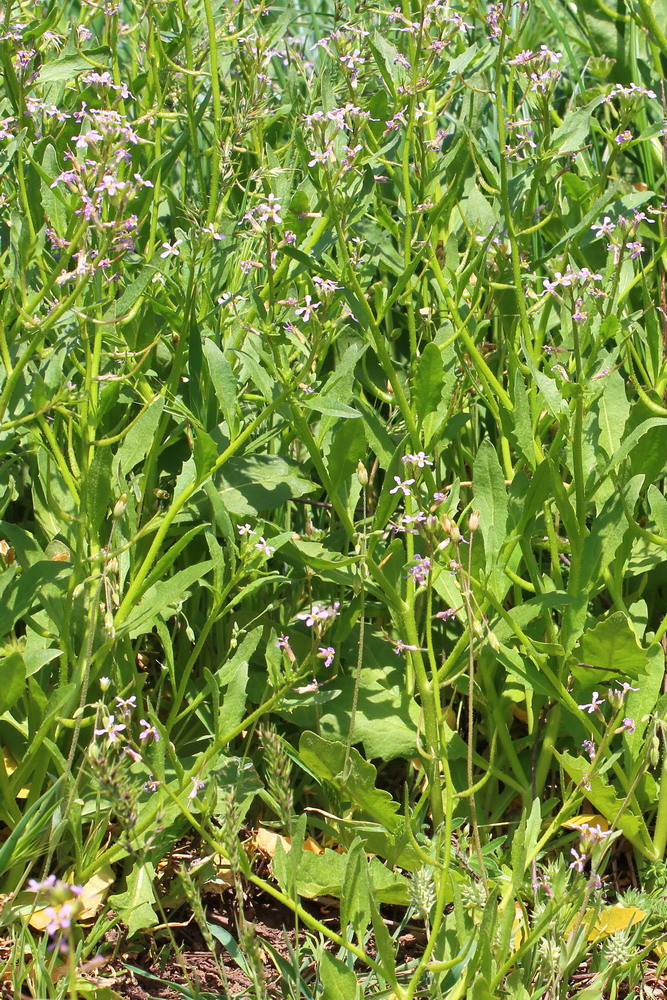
x=362, y=473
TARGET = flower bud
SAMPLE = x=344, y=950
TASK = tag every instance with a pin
x=105, y=683
x=655, y=751
x=362, y=473
x=120, y=507
x=473, y=521
x=493, y=641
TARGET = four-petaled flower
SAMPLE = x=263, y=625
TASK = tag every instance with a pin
x=327, y=654
x=579, y=860
x=148, y=731
x=594, y=703
x=110, y=729
x=264, y=547
x=404, y=486
x=245, y=529
x=305, y=312
x=171, y=249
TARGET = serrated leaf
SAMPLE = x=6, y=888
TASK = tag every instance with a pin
x=327, y=759
x=611, y=649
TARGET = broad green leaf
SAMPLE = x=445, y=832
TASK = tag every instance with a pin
x=338, y=980
x=135, y=906
x=99, y=488
x=24, y=593
x=613, y=409
x=327, y=759
x=658, y=508
x=256, y=483
x=428, y=381
x=571, y=135
x=609, y=652
x=63, y=68
x=348, y=448
x=324, y=874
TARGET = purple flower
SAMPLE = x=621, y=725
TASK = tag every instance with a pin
x=171, y=249
x=327, y=654
x=197, y=786
x=589, y=747
x=148, y=731
x=635, y=248
x=403, y=486
x=136, y=757
x=110, y=729
x=283, y=642
x=579, y=860
x=264, y=547
x=420, y=459
x=400, y=646
x=305, y=312
x=447, y=614
x=319, y=613
x=594, y=704
x=421, y=570
x=629, y=725
x=126, y=706
x=623, y=137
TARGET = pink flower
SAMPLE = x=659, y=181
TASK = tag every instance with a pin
x=148, y=731
x=327, y=654
x=403, y=486
x=110, y=729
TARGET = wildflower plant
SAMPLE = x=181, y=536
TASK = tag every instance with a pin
x=332, y=412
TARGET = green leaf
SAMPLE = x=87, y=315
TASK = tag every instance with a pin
x=256, y=483
x=224, y=383
x=491, y=501
x=19, y=599
x=326, y=760
x=330, y=407
x=324, y=875
x=160, y=600
x=348, y=447
x=99, y=488
x=63, y=68
x=603, y=797
x=338, y=980
x=140, y=436
x=135, y=906
x=205, y=452
x=572, y=134
x=611, y=648
x=355, y=903
x=12, y=680
x=428, y=381
x=613, y=410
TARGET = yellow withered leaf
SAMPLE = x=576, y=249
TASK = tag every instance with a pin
x=266, y=840
x=10, y=767
x=586, y=819
x=611, y=919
